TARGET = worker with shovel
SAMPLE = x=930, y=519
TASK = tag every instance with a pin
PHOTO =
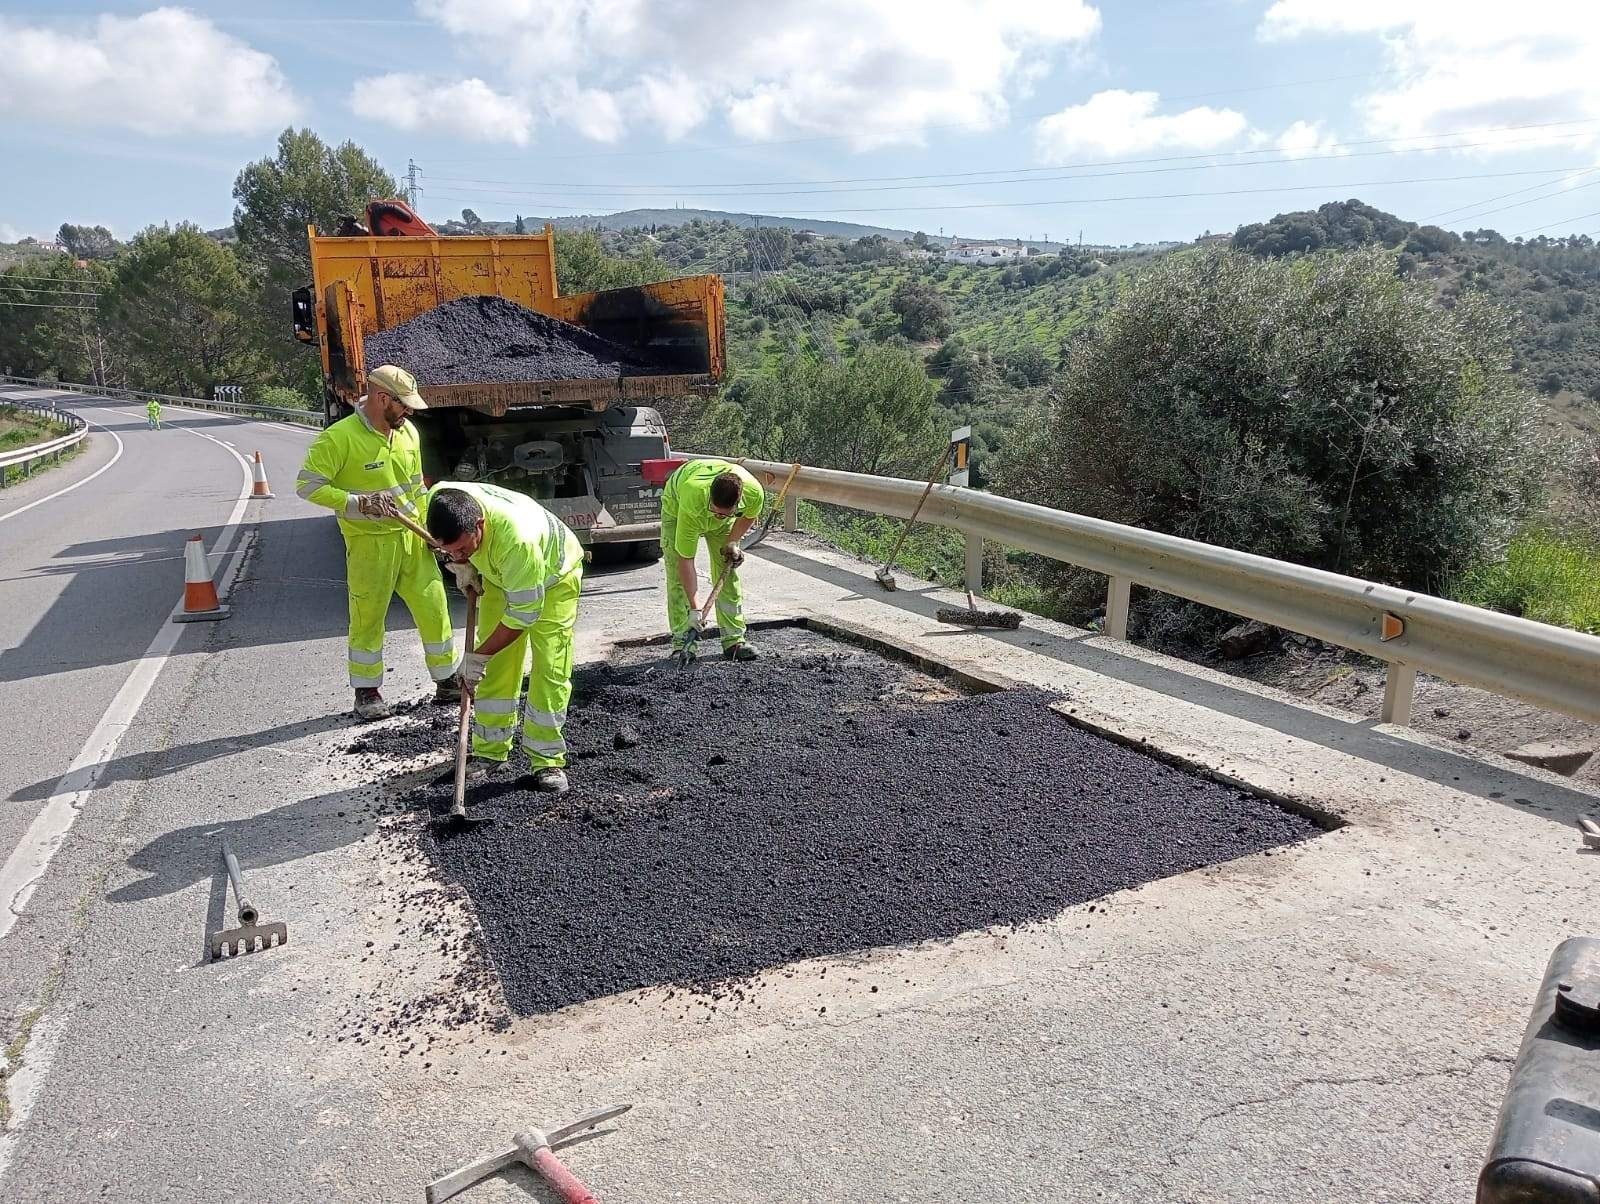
x=367, y=469
x=717, y=502
x=527, y=565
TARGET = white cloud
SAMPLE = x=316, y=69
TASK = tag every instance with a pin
x=1118, y=123
x=166, y=72
x=467, y=108
x=877, y=70
x=10, y=233
x=1466, y=64
x=1301, y=139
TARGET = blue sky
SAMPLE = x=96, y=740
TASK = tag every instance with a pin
x=1127, y=121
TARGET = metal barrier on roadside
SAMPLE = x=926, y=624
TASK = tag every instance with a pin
x=1550, y=667
x=242, y=409
x=25, y=458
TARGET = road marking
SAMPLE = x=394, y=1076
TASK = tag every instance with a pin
x=24, y=869
x=76, y=485
x=27, y=1080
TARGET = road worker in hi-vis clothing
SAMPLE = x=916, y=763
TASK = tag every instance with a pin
x=367, y=468
x=717, y=502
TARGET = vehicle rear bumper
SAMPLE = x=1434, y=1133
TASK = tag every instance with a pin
x=625, y=533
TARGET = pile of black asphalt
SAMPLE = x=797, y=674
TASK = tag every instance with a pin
x=734, y=817
x=491, y=340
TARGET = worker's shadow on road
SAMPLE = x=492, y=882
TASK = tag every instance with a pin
x=179, y=859
x=157, y=763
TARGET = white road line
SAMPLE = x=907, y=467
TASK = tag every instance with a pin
x=27, y=1080
x=49, y=497
x=24, y=869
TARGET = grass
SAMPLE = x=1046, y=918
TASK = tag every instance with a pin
x=1545, y=576
x=19, y=428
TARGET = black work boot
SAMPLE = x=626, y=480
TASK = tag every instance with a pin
x=740, y=651
x=552, y=779
x=447, y=692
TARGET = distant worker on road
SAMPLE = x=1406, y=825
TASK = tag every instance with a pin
x=152, y=414
x=718, y=502
x=366, y=468
x=527, y=567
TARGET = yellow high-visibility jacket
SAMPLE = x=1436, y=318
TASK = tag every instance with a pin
x=525, y=548
x=686, y=503
x=352, y=457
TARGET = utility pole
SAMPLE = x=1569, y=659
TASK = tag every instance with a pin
x=411, y=183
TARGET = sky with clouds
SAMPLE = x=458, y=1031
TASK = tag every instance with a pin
x=1139, y=120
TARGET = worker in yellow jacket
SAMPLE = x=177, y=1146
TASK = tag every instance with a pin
x=527, y=567
x=718, y=502
x=152, y=414
x=367, y=468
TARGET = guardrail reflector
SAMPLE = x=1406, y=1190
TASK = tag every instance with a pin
x=1393, y=627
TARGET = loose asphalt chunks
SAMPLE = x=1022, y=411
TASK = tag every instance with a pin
x=474, y=340
x=820, y=801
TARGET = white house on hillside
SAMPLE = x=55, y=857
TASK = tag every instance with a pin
x=984, y=252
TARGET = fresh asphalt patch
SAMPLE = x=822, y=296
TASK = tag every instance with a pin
x=821, y=801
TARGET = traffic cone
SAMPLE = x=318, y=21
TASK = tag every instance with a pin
x=258, y=479
x=200, y=601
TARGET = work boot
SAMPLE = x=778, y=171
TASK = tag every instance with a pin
x=447, y=692
x=740, y=651
x=552, y=779
x=478, y=768
x=370, y=705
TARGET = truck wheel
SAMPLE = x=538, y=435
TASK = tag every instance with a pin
x=646, y=550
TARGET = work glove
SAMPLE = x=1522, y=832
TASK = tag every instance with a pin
x=473, y=666
x=467, y=579
x=377, y=505
x=733, y=554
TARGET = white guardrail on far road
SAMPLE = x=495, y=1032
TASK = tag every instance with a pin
x=242, y=408
x=24, y=458
x=1550, y=667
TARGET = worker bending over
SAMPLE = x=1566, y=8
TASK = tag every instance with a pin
x=527, y=565
x=152, y=414
x=718, y=502
x=367, y=468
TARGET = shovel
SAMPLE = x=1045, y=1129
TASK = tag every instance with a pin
x=458, y=820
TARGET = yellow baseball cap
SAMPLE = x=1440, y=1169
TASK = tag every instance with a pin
x=399, y=384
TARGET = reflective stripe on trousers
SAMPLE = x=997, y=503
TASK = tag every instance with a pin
x=377, y=567
x=542, y=652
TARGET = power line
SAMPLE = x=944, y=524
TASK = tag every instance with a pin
x=1168, y=196
x=1562, y=222
x=1550, y=196
x=609, y=189
x=7, y=276
x=1516, y=192
x=948, y=125
x=87, y=309
x=53, y=292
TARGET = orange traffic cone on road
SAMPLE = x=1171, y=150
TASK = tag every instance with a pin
x=258, y=479
x=200, y=601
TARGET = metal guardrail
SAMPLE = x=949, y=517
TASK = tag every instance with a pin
x=1550, y=667
x=243, y=409
x=25, y=457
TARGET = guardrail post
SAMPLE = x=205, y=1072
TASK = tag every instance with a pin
x=1399, y=685
x=791, y=513
x=973, y=578
x=1119, y=591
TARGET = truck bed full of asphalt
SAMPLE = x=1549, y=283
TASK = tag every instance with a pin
x=475, y=340
x=738, y=817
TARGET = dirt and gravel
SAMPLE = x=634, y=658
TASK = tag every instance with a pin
x=821, y=801
x=491, y=340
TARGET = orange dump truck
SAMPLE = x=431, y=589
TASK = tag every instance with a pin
x=576, y=445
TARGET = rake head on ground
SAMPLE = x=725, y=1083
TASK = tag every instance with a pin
x=248, y=938
x=968, y=617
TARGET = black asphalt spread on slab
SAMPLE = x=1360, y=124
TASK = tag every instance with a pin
x=492, y=340
x=742, y=816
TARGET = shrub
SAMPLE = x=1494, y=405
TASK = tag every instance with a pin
x=1319, y=410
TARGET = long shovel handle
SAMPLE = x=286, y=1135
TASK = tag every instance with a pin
x=459, y=806
x=888, y=565
x=418, y=529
